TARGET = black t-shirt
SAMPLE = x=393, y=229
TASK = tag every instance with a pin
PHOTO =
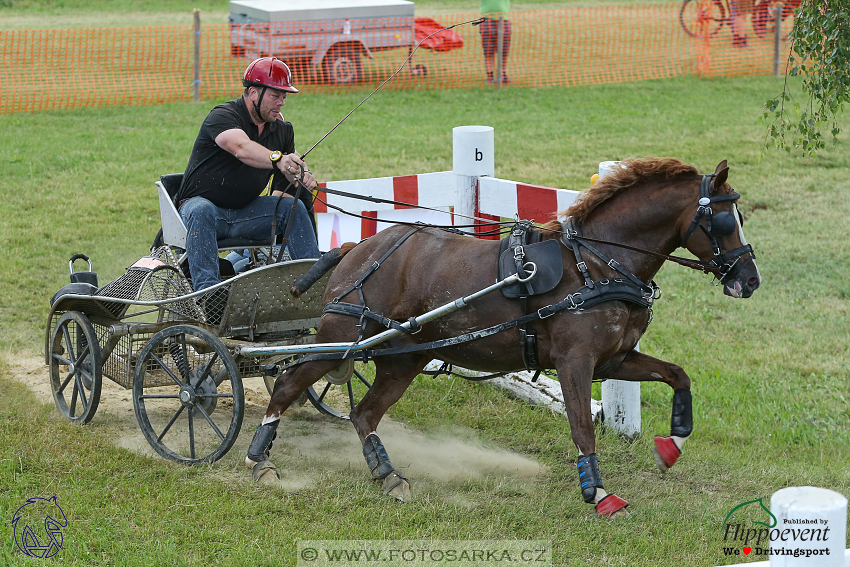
x=219, y=176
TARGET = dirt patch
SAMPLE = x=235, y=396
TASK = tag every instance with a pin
x=304, y=436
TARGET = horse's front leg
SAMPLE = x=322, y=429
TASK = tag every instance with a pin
x=641, y=367
x=575, y=375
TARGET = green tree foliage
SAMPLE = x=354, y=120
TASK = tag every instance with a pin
x=820, y=53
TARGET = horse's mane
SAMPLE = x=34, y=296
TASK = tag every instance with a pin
x=631, y=173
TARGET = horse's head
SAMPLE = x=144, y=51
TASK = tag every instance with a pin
x=720, y=240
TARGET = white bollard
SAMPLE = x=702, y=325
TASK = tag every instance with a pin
x=621, y=406
x=811, y=521
x=472, y=157
x=620, y=399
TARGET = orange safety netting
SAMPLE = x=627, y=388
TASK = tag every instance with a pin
x=72, y=68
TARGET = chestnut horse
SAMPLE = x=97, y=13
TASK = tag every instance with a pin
x=652, y=206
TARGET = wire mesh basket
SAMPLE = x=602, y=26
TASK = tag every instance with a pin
x=156, y=278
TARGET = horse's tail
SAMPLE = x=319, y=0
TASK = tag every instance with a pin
x=322, y=266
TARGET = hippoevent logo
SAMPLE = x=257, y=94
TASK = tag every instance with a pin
x=750, y=528
x=38, y=527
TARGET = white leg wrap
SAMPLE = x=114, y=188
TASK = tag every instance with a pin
x=679, y=441
x=600, y=494
x=272, y=419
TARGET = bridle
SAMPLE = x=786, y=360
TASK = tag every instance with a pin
x=723, y=223
x=718, y=224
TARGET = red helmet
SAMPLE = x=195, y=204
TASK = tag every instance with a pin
x=269, y=72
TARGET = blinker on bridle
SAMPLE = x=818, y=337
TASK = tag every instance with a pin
x=723, y=223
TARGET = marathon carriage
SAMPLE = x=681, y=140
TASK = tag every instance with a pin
x=181, y=351
x=177, y=349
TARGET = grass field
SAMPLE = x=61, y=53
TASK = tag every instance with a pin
x=770, y=374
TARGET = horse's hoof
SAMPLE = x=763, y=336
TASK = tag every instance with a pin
x=265, y=473
x=612, y=506
x=397, y=486
x=665, y=452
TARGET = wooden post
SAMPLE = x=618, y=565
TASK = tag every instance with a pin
x=777, y=40
x=473, y=150
x=196, y=75
x=497, y=77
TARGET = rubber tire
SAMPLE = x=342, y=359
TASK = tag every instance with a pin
x=318, y=394
x=343, y=66
x=158, y=345
x=74, y=334
x=688, y=16
x=327, y=405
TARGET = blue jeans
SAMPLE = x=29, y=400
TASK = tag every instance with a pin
x=207, y=223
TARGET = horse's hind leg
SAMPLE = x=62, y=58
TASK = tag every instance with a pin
x=640, y=367
x=392, y=378
x=288, y=386
x=574, y=374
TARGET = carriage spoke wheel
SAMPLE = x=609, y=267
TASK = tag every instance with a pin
x=198, y=415
x=335, y=394
x=75, y=367
x=335, y=397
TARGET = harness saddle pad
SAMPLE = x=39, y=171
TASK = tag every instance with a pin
x=550, y=268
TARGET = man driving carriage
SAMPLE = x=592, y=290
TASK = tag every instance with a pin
x=241, y=144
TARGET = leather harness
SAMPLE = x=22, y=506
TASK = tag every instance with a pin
x=628, y=288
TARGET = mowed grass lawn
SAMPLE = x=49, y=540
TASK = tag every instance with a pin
x=770, y=378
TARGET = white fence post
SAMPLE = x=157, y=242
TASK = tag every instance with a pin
x=472, y=157
x=806, y=507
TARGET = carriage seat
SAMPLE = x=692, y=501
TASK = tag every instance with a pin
x=173, y=229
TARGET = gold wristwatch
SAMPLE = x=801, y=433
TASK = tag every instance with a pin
x=276, y=156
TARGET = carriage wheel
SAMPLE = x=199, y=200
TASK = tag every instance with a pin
x=197, y=416
x=689, y=17
x=335, y=394
x=75, y=367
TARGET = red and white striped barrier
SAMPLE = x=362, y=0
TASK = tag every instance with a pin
x=495, y=198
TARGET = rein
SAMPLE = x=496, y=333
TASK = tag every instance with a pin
x=688, y=263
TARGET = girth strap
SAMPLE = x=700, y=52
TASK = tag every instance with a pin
x=517, y=240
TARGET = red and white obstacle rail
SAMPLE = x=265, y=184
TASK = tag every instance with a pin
x=469, y=190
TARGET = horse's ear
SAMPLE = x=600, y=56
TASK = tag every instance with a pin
x=722, y=172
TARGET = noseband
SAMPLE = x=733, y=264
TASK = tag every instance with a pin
x=717, y=224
